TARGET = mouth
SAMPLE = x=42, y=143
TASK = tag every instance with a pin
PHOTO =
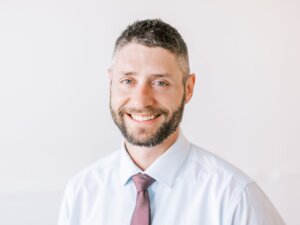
x=143, y=118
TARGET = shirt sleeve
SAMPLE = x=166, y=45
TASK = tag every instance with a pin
x=254, y=208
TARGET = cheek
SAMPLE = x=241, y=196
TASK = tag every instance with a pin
x=117, y=98
x=118, y=91
x=171, y=99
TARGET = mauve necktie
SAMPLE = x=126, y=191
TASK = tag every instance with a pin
x=141, y=214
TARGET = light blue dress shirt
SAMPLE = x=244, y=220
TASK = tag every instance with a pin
x=193, y=187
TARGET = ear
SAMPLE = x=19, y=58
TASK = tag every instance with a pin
x=189, y=87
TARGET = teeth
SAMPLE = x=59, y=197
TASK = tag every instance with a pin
x=142, y=118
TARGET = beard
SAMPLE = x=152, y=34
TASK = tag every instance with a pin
x=167, y=128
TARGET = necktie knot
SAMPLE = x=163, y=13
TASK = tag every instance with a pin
x=142, y=181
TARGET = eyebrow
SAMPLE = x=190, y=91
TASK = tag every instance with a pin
x=155, y=74
x=128, y=73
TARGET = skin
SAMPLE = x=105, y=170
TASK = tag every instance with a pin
x=147, y=77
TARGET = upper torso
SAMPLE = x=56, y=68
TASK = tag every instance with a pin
x=192, y=187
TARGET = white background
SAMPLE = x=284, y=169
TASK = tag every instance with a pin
x=54, y=93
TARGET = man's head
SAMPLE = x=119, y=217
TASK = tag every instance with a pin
x=156, y=33
x=150, y=82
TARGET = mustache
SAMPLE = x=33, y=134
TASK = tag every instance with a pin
x=145, y=110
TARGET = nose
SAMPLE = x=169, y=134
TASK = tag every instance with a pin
x=143, y=96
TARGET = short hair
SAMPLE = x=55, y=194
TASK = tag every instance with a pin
x=156, y=33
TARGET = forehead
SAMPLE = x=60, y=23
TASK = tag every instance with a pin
x=138, y=58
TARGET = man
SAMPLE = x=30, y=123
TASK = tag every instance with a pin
x=158, y=177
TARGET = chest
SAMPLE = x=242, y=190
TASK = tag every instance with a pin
x=179, y=206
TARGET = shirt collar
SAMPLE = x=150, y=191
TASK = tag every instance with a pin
x=164, y=169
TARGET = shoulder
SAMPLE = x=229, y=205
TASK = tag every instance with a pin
x=96, y=173
x=233, y=193
x=208, y=167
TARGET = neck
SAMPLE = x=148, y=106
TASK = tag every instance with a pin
x=143, y=157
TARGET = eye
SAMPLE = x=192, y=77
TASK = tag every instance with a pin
x=127, y=81
x=161, y=83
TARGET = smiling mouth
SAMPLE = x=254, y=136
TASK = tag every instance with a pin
x=143, y=118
